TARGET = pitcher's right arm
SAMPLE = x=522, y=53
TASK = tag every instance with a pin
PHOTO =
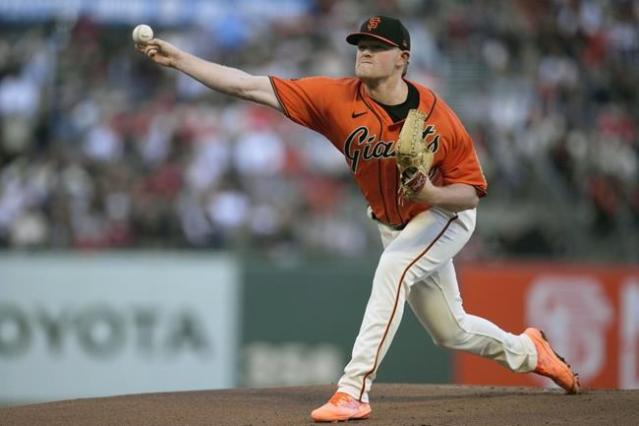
x=223, y=79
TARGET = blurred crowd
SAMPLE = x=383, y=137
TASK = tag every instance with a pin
x=100, y=148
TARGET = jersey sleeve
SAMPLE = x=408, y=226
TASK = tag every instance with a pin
x=460, y=164
x=303, y=100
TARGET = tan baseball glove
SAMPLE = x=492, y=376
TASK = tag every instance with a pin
x=414, y=159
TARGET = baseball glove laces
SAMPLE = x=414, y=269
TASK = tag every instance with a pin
x=414, y=159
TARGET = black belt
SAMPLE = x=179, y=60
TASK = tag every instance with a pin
x=393, y=227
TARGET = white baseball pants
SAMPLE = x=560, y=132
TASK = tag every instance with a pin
x=416, y=265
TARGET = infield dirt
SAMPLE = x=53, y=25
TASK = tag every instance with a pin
x=393, y=404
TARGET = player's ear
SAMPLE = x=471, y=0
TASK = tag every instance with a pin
x=405, y=55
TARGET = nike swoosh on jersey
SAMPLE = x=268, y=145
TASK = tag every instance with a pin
x=358, y=114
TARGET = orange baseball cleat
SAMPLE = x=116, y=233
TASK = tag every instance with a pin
x=341, y=407
x=550, y=364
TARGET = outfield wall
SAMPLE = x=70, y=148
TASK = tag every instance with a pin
x=589, y=313
x=103, y=324
x=95, y=325
x=301, y=320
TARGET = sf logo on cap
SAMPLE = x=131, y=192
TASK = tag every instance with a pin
x=373, y=23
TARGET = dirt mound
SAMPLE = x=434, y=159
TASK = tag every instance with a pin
x=393, y=404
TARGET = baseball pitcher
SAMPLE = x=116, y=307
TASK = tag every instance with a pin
x=417, y=168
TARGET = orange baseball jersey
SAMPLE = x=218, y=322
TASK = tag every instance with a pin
x=341, y=110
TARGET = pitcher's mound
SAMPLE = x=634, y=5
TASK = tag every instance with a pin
x=392, y=405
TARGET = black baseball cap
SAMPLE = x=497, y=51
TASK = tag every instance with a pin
x=389, y=30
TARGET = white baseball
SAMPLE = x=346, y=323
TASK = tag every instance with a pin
x=142, y=34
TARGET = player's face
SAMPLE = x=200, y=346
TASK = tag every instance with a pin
x=376, y=59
